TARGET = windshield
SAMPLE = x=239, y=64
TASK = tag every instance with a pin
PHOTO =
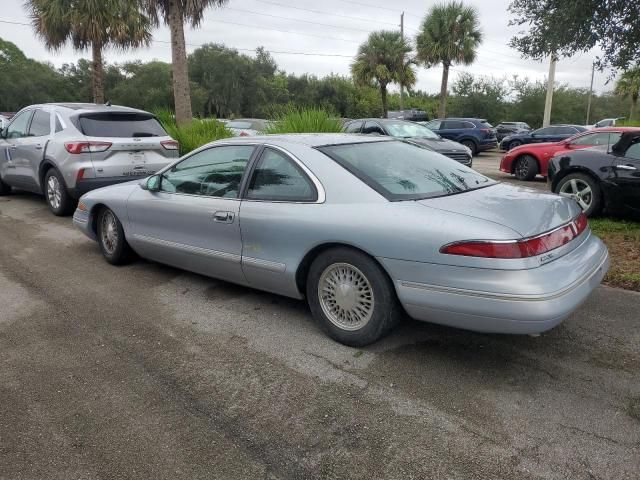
x=409, y=130
x=403, y=171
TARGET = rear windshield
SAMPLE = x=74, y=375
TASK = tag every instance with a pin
x=243, y=125
x=120, y=125
x=409, y=130
x=403, y=171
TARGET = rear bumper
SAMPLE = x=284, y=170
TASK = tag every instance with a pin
x=88, y=184
x=507, y=312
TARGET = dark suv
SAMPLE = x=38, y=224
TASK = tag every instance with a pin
x=475, y=133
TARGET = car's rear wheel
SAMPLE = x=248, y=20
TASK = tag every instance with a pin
x=514, y=143
x=471, y=145
x=4, y=188
x=584, y=190
x=55, y=193
x=111, y=239
x=351, y=297
x=526, y=168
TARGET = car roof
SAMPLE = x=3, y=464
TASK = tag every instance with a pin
x=470, y=119
x=308, y=139
x=90, y=107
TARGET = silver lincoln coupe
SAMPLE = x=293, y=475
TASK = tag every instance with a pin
x=365, y=228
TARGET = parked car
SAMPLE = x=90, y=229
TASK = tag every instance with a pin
x=504, y=129
x=363, y=227
x=247, y=127
x=552, y=133
x=413, y=115
x=601, y=178
x=412, y=131
x=63, y=150
x=527, y=161
x=608, y=122
x=474, y=133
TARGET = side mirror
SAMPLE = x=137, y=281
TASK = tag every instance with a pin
x=152, y=184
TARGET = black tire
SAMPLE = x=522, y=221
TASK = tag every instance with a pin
x=513, y=144
x=471, y=145
x=4, y=188
x=61, y=204
x=526, y=168
x=385, y=312
x=118, y=252
x=595, y=201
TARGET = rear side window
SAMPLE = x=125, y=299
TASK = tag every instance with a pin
x=604, y=138
x=372, y=127
x=353, y=127
x=40, y=124
x=120, y=125
x=278, y=178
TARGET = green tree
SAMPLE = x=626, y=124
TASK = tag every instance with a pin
x=483, y=97
x=628, y=86
x=382, y=60
x=565, y=27
x=175, y=13
x=450, y=34
x=91, y=24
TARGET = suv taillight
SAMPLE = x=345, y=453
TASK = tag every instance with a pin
x=170, y=145
x=86, y=147
x=519, y=248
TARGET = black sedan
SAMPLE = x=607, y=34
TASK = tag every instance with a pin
x=413, y=132
x=600, y=178
x=504, y=129
x=552, y=133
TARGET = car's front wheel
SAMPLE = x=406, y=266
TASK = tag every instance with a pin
x=55, y=193
x=514, y=143
x=526, y=168
x=351, y=297
x=111, y=239
x=583, y=189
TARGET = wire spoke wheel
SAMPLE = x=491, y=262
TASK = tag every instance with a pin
x=578, y=190
x=346, y=296
x=54, y=192
x=109, y=232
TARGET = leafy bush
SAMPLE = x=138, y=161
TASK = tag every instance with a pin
x=629, y=123
x=310, y=120
x=193, y=135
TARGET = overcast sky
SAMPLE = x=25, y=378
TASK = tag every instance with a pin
x=333, y=28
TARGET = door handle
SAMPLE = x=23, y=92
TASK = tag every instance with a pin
x=38, y=147
x=223, y=217
x=625, y=167
x=12, y=147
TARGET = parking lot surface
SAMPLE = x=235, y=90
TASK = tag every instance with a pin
x=146, y=371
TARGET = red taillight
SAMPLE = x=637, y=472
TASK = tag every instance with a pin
x=80, y=175
x=170, y=145
x=519, y=248
x=243, y=134
x=86, y=147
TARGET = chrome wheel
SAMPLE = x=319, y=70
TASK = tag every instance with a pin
x=346, y=296
x=522, y=168
x=54, y=192
x=109, y=232
x=579, y=190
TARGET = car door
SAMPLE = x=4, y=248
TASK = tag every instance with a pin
x=33, y=146
x=627, y=176
x=12, y=146
x=192, y=221
x=450, y=129
x=280, y=192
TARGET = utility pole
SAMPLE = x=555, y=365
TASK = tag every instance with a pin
x=593, y=69
x=549, y=101
x=401, y=85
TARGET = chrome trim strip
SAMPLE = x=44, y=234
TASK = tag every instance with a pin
x=505, y=296
x=229, y=257
x=264, y=264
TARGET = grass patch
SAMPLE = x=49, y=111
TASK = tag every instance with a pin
x=192, y=135
x=310, y=120
x=622, y=237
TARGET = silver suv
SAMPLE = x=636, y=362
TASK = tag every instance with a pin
x=64, y=150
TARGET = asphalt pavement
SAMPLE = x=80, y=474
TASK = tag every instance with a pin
x=148, y=372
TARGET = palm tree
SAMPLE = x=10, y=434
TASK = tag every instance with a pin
x=450, y=34
x=95, y=24
x=175, y=13
x=382, y=60
x=628, y=85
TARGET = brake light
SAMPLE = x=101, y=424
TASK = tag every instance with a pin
x=86, y=147
x=530, y=247
x=80, y=175
x=170, y=145
x=243, y=134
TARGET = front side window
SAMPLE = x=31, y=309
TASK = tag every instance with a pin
x=40, y=124
x=372, y=128
x=215, y=172
x=18, y=127
x=402, y=171
x=633, y=151
x=543, y=131
x=277, y=178
x=592, y=139
x=434, y=125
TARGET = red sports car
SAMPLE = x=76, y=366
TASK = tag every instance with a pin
x=527, y=161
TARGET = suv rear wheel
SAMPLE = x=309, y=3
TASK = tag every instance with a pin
x=55, y=193
x=471, y=145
